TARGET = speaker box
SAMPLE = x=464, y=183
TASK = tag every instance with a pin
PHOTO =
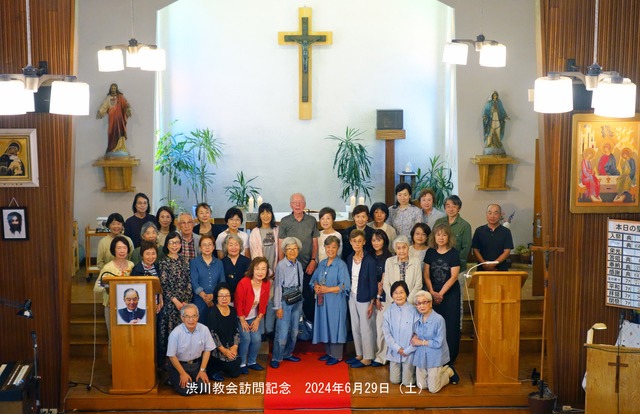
x=389, y=118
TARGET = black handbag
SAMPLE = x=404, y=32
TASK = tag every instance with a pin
x=292, y=294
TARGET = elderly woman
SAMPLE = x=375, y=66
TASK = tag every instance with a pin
x=399, y=319
x=149, y=233
x=166, y=223
x=403, y=215
x=175, y=281
x=223, y=323
x=148, y=266
x=119, y=266
x=141, y=208
x=362, y=301
x=206, y=273
x=251, y=299
x=432, y=352
x=331, y=284
x=287, y=301
x=234, y=263
x=402, y=267
x=115, y=224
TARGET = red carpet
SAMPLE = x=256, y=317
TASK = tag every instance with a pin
x=309, y=384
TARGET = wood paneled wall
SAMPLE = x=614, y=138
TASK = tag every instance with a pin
x=577, y=276
x=40, y=267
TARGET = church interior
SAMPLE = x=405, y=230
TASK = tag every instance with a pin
x=226, y=71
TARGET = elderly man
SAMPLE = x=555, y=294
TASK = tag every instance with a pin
x=190, y=240
x=131, y=313
x=493, y=241
x=305, y=228
x=188, y=349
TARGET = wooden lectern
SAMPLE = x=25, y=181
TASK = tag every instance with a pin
x=612, y=379
x=133, y=346
x=497, y=316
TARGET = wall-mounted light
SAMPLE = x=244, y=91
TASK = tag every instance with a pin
x=139, y=55
x=613, y=96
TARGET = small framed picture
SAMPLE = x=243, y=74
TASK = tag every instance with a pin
x=132, y=303
x=14, y=223
x=18, y=158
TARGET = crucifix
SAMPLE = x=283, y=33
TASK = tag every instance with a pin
x=618, y=365
x=305, y=39
x=500, y=302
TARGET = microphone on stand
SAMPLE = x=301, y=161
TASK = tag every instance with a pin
x=467, y=275
x=102, y=285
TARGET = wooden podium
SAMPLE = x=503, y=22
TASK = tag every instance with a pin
x=497, y=316
x=612, y=379
x=133, y=346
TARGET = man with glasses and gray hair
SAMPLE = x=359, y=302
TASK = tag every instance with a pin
x=189, y=347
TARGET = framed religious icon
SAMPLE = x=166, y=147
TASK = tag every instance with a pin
x=18, y=158
x=14, y=224
x=132, y=306
x=604, y=164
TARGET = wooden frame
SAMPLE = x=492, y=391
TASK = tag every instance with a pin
x=604, y=162
x=18, y=158
x=141, y=290
x=15, y=234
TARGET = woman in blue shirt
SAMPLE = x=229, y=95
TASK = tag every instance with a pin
x=206, y=273
x=432, y=352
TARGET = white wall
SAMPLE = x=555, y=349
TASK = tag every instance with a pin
x=244, y=86
x=227, y=72
x=510, y=22
x=102, y=23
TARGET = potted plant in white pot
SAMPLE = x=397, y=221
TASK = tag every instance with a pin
x=352, y=164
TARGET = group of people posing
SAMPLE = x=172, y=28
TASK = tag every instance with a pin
x=390, y=282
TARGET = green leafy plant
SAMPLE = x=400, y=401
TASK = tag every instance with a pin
x=172, y=160
x=436, y=176
x=241, y=190
x=352, y=164
x=206, y=150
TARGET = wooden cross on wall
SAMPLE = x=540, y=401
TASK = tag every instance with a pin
x=305, y=39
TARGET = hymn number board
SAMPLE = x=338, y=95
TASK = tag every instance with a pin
x=623, y=264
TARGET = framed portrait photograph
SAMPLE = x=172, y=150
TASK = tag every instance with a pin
x=14, y=224
x=604, y=164
x=132, y=307
x=18, y=158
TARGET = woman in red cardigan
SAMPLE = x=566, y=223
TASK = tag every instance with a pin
x=251, y=298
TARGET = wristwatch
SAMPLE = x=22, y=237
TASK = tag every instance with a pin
x=203, y=369
x=314, y=259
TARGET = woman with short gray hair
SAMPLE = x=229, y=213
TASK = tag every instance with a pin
x=234, y=263
x=432, y=351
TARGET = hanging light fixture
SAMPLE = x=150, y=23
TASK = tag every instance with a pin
x=613, y=96
x=492, y=53
x=139, y=55
x=17, y=90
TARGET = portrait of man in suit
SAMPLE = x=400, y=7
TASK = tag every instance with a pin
x=131, y=313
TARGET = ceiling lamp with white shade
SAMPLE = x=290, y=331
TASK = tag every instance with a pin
x=139, y=55
x=17, y=90
x=613, y=96
x=492, y=53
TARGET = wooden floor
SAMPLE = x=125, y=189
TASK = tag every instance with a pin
x=461, y=398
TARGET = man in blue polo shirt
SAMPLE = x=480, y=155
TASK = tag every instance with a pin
x=493, y=241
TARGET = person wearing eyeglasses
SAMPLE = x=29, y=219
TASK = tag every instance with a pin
x=430, y=340
x=175, y=280
x=223, y=324
x=189, y=348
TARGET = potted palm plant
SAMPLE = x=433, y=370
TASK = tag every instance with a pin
x=171, y=161
x=352, y=164
x=239, y=192
x=206, y=150
x=438, y=177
